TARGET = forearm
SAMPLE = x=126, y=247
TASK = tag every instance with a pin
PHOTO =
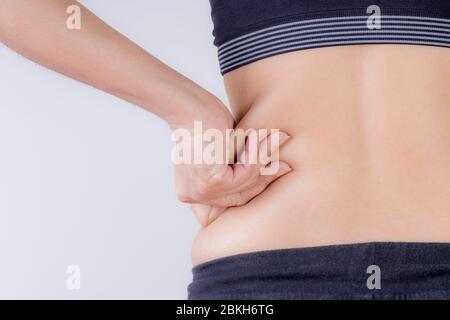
x=99, y=56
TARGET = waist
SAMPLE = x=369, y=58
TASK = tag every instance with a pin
x=370, y=164
x=335, y=202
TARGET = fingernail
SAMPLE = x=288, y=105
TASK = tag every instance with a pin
x=284, y=168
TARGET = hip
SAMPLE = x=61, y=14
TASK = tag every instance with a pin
x=300, y=211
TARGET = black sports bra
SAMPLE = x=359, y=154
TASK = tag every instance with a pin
x=249, y=30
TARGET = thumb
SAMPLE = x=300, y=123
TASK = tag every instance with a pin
x=206, y=214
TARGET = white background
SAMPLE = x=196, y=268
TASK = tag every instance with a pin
x=86, y=178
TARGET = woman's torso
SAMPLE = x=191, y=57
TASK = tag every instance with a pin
x=370, y=149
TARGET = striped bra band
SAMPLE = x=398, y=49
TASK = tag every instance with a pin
x=246, y=31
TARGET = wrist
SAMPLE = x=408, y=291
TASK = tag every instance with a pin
x=198, y=104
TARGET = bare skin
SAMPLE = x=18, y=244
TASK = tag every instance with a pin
x=99, y=56
x=370, y=149
x=369, y=127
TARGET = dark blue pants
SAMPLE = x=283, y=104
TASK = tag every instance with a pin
x=379, y=270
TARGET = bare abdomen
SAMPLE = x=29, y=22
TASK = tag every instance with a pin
x=370, y=149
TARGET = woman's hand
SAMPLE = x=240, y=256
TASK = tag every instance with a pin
x=101, y=57
x=212, y=188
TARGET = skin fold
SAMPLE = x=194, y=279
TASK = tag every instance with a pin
x=370, y=149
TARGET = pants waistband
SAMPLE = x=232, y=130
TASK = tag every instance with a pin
x=376, y=269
